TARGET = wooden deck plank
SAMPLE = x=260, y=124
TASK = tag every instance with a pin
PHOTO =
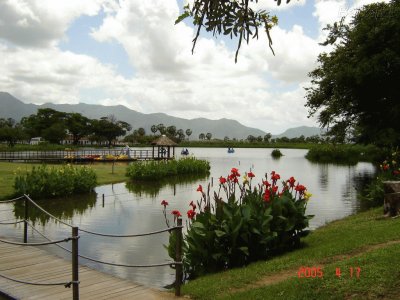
x=36, y=265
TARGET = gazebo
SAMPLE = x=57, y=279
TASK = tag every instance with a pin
x=164, y=145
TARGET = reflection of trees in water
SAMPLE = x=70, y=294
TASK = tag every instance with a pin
x=153, y=188
x=323, y=176
x=62, y=208
x=361, y=182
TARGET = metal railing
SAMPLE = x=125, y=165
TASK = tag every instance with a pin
x=177, y=264
x=79, y=155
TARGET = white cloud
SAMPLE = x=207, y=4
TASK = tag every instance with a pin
x=40, y=23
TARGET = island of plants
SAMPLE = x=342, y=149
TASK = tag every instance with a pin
x=155, y=170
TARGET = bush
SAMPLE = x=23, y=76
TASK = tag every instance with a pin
x=156, y=170
x=252, y=224
x=48, y=182
x=344, y=154
x=388, y=170
x=276, y=153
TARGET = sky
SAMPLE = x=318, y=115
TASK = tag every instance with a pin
x=130, y=52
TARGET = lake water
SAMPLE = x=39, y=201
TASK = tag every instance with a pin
x=134, y=208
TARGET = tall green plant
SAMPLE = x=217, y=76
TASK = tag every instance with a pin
x=252, y=223
x=48, y=182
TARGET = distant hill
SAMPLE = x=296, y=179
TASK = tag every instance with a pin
x=306, y=131
x=16, y=109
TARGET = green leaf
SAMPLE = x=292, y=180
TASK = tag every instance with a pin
x=182, y=17
x=219, y=233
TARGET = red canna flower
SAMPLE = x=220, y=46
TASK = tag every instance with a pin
x=222, y=180
x=274, y=189
x=291, y=181
x=275, y=176
x=235, y=180
x=165, y=203
x=267, y=196
x=396, y=172
x=200, y=188
x=176, y=213
x=251, y=175
x=385, y=167
x=191, y=214
x=235, y=172
x=300, y=188
x=266, y=183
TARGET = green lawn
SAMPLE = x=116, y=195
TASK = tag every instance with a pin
x=364, y=240
x=104, y=173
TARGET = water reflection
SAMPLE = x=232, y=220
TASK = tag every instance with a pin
x=62, y=208
x=152, y=189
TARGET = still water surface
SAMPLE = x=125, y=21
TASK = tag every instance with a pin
x=133, y=208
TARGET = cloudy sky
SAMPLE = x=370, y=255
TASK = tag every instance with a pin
x=130, y=52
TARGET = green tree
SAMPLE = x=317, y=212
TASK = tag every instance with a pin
x=230, y=18
x=108, y=128
x=77, y=125
x=55, y=133
x=251, y=138
x=34, y=125
x=355, y=87
x=141, y=131
x=161, y=128
x=181, y=134
x=11, y=132
x=154, y=129
x=202, y=136
x=208, y=136
x=171, y=130
x=188, y=132
x=267, y=137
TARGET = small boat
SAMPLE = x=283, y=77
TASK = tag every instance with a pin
x=231, y=150
x=185, y=152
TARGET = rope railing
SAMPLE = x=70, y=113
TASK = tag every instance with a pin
x=75, y=255
x=11, y=223
x=66, y=284
x=12, y=200
x=171, y=263
x=37, y=244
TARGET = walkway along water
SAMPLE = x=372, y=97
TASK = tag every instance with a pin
x=34, y=274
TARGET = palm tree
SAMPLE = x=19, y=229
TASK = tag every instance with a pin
x=208, y=136
x=153, y=129
x=201, y=136
x=188, y=132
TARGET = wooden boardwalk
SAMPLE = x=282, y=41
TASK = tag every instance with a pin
x=36, y=265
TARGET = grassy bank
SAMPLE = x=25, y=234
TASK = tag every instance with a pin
x=104, y=171
x=365, y=240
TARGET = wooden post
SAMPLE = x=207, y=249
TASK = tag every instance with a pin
x=26, y=220
x=75, y=264
x=103, y=200
x=178, y=259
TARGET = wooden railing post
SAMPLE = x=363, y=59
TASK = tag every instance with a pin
x=75, y=264
x=26, y=203
x=178, y=259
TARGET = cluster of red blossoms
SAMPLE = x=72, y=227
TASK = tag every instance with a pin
x=191, y=213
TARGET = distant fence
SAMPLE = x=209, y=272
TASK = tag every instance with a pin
x=177, y=264
x=79, y=155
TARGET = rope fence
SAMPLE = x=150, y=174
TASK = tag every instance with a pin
x=177, y=264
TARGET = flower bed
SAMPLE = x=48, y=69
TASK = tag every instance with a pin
x=252, y=223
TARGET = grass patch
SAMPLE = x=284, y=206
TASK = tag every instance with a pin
x=327, y=246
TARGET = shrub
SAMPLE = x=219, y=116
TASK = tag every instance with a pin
x=276, y=153
x=47, y=182
x=251, y=224
x=388, y=170
x=344, y=154
x=156, y=170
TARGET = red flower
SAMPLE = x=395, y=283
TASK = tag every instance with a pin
x=222, y=180
x=191, y=214
x=200, y=188
x=291, y=181
x=235, y=172
x=176, y=213
x=266, y=183
x=250, y=175
x=165, y=203
x=396, y=172
x=192, y=205
x=235, y=180
x=267, y=196
x=274, y=189
x=300, y=188
x=275, y=176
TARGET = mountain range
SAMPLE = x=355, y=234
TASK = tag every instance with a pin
x=12, y=107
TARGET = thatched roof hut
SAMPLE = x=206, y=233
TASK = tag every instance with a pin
x=164, y=145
